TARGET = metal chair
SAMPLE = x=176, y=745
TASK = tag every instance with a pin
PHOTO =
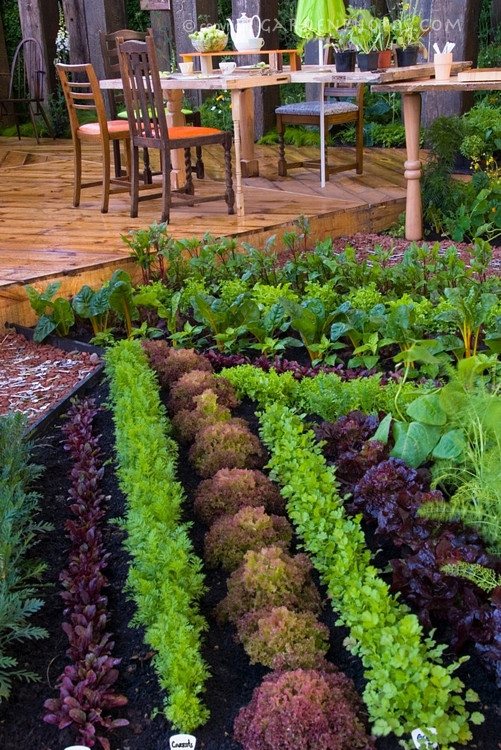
x=115, y=98
x=144, y=102
x=26, y=87
x=342, y=104
x=82, y=94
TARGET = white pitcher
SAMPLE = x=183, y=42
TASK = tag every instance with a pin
x=243, y=31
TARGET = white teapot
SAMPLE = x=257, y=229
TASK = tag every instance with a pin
x=243, y=31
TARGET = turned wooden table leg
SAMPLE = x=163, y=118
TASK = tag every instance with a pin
x=175, y=117
x=236, y=111
x=411, y=105
x=249, y=165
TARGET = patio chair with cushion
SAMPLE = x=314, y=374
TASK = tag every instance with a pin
x=83, y=95
x=116, y=103
x=342, y=104
x=26, y=87
x=144, y=102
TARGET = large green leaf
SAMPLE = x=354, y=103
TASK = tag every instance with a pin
x=451, y=445
x=427, y=409
x=414, y=442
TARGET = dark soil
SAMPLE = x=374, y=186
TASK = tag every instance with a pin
x=233, y=678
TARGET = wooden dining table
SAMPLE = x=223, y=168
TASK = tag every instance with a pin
x=240, y=84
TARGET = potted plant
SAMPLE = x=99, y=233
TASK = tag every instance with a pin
x=345, y=53
x=408, y=31
x=364, y=33
x=384, y=39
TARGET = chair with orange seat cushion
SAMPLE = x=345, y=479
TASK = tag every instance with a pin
x=144, y=102
x=83, y=95
x=116, y=103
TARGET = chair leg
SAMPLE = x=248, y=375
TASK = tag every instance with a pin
x=106, y=178
x=199, y=168
x=166, y=170
x=282, y=164
x=77, y=173
x=116, y=158
x=229, y=194
x=190, y=188
x=134, y=182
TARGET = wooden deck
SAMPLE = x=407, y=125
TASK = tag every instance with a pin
x=43, y=238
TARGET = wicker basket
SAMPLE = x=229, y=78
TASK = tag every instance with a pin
x=217, y=45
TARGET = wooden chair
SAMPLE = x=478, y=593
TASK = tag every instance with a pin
x=342, y=104
x=83, y=94
x=115, y=98
x=26, y=87
x=144, y=102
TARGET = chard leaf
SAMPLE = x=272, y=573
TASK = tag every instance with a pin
x=427, y=409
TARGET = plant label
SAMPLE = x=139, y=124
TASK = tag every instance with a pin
x=422, y=740
x=182, y=741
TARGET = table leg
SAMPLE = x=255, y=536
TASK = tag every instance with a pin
x=411, y=105
x=236, y=110
x=175, y=117
x=249, y=163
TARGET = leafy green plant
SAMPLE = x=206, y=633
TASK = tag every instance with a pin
x=313, y=323
x=227, y=444
x=268, y=578
x=231, y=536
x=281, y=638
x=19, y=570
x=469, y=311
x=193, y=383
x=303, y=708
x=93, y=306
x=55, y=315
x=165, y=576
x=188, y=422
x=229, y=490
x=382, y=630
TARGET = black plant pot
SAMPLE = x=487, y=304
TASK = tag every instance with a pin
x=345, y=61
x=407, y=56
x=368, y=60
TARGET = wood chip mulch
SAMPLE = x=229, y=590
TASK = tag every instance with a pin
x=35, y=377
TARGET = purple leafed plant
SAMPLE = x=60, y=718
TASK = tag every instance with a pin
x=86, y=685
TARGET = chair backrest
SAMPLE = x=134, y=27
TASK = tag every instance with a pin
x=27, y=73
x=111, y=65
x=82, y=94
x=143, y=94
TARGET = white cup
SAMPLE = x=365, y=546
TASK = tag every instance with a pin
x=186, y=68
x=255, y=43
x=227, y=67
x=442, y=63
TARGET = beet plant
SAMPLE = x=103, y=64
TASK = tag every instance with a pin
x=86, y=693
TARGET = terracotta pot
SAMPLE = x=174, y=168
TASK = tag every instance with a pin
x=368, y=61
x=345, y=61
x=385, y=58
x=407, y=56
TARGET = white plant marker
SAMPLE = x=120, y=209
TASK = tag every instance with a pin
x=182, y=742
x=421, y=740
